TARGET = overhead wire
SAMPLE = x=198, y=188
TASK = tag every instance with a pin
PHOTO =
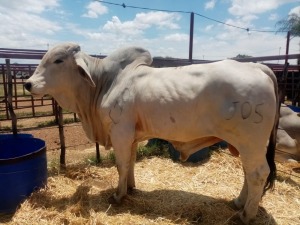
x=218, y=21
x=189, y=12
x=144, y=8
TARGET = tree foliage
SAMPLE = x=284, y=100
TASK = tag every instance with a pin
x=242, y=56
x=291, y=23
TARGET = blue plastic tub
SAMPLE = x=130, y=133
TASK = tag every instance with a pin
x=197, y=156
x=23, y=169
x=6, y=136
x=294, y=108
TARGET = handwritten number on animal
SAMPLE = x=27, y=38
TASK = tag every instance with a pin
x=247, y=110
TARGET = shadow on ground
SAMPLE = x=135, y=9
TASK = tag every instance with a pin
x=174, y=205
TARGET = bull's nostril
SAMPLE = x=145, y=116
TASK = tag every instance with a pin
x=27, y=86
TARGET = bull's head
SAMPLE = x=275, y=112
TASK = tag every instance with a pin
x=65, y=71
x=60, y=71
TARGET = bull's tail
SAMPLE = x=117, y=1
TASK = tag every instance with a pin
x=271, y=160
x=270, y=156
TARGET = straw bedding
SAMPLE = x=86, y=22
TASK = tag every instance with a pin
x=167, y=193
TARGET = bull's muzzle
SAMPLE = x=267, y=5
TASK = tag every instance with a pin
x=28, y=86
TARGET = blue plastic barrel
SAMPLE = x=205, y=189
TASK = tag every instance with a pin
x=195, y=157
x=294, y=108
x=23, y=169
x=201, y=154
x=5, y=136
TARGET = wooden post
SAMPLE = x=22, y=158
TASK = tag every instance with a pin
x=293, y=87
x=56, y=112
x=191, y=38
x=32, y=106
x=75, y=117
x=61, y=138
x=53, y=107
x=98, y=160
x=9, y=98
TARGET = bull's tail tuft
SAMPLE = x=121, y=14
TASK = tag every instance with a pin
x=270, y=182
x=270, y=156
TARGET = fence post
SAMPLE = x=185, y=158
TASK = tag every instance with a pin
x=56, y=111
x=32, y=106
x=32, y=100
x=16, y=90
x=61, y=138
x=53, y=107
x=29, y=70
x=98, y=160
x=9, y=98
x=75, y=117
x=191, y=37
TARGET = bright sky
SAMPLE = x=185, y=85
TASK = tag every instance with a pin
x=101, y=28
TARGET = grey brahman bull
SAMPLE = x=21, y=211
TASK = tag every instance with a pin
x=121, y=101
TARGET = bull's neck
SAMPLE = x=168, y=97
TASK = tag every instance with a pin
x=88, y=100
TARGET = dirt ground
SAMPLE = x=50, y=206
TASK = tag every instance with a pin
x=75, y=137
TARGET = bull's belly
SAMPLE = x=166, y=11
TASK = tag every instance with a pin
x=231, y=123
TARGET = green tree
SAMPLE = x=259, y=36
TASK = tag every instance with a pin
x=242, y=56
x=291, y=23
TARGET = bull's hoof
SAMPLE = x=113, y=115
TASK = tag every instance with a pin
x=238, y=204
x=232, y=205
x=244, y=218
x=114, y=201
x=131, y=190
x=235, y=220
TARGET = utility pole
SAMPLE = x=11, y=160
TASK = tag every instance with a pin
x=191, y=37
x=287, y=47
x=285, y=70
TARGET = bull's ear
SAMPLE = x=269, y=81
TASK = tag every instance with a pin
x=83, y=70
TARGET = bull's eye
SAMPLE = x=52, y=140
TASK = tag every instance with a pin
x=58, y=61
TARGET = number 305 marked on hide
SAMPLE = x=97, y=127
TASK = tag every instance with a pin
x=246, y=110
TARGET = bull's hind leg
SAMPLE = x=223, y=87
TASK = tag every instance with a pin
x=256, y=172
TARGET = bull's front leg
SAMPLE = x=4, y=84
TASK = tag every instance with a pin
x=122, y=137
x=241, y=200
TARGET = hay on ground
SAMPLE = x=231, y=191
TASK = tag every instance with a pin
x=167, y=193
